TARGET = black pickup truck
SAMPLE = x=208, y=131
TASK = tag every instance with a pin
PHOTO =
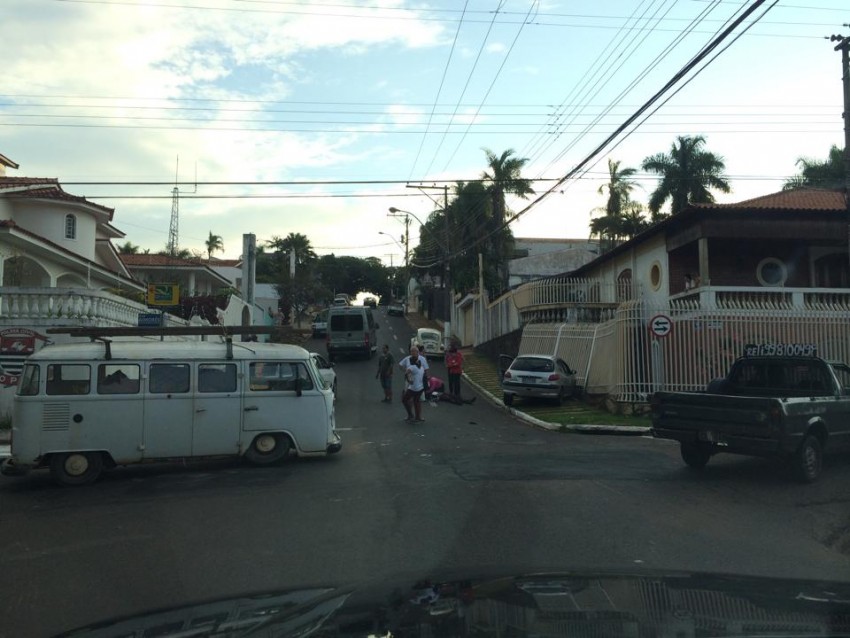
x=791, y=407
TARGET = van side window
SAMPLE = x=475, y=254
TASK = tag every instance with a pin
x=217, y=377
x=28, y=386
x=169, y=378
x=276, y=376
x=118, y=378
x=68, y=378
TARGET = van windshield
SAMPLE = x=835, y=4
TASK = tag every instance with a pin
x=347, y=323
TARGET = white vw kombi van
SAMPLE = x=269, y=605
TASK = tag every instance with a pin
x=82, y=407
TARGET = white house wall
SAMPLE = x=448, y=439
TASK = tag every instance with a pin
x=640, y=260
x=48, y=220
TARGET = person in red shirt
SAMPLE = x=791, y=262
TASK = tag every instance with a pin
x=454, y=366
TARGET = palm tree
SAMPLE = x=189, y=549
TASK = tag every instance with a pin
x=619, y=188
x=128, y=248
x=293, y=241
x=687, y=173
x=504, y=176
x=214, y=243
x=817, y=174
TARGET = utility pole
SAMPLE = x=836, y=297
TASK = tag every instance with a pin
x=844, y=46
x=446, y=265
x=405, y=239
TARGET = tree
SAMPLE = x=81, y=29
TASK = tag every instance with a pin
x=619, y=188
x=128, y=248
x=817, y=174
x=504, y=177
x=687, y=173
x=214, y=243
x=621, y=217
x=293, y=241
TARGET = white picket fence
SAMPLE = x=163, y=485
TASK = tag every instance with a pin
x=622, y=358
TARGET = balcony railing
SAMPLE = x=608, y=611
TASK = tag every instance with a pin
x=746, y=298
x=574, y=293
x=71, y=306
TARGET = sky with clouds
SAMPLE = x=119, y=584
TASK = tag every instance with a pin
x=310, y=116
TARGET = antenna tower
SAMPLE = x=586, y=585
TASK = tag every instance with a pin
x=173, y=242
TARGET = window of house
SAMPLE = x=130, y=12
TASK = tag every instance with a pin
x=655, y=276
x=70, y=227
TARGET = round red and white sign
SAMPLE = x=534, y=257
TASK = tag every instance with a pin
x=660, y=325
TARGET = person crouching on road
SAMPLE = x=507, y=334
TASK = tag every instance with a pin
x=414, y=376
x=385, y=373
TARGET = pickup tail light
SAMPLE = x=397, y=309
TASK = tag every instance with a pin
x=554, y=377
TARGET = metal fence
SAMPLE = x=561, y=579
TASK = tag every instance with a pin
x=624, y=359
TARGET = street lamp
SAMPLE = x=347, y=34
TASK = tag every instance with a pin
x=446, y=265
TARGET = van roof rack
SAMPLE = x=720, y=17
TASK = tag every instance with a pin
x=173, y=331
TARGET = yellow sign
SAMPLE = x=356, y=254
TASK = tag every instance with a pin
x=163, y=294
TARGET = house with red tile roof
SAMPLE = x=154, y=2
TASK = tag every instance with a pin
x=194, y=276
x=674, y=306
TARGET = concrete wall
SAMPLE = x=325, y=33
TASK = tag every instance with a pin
x=48, y=220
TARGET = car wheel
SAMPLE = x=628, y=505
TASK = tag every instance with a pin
x=808, y=459
x=267, y=448
x=694, y=455
x=76, y=468
x=560, y=399
x=508, y=399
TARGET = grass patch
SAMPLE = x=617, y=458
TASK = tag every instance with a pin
x=574, y=411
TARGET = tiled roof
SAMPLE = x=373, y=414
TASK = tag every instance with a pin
x=26, y=181
x=160, y=260
x=800, y=199
x=224, y=263
x=52, y=190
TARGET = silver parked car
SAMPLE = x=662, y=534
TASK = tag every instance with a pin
x=538, y=376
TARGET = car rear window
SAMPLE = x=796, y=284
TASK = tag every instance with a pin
x=529, y=364
x=347, y=323
x=430, y=336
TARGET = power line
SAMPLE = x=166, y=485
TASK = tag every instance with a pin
x=439, y=90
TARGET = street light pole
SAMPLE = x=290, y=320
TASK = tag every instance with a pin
x=447, y=256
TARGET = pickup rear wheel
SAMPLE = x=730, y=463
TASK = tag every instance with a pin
x=694, y=455
x=808, y=459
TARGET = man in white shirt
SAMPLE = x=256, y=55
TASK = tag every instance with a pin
x=414, y=375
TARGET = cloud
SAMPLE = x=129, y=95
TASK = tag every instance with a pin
x=496, y=47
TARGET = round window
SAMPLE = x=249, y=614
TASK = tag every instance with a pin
x=655, y=276
x=771, y=272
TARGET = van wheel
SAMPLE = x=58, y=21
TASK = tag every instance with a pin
x=808, y=459
x=694, y=455
x=76, y=468
x=267, y=448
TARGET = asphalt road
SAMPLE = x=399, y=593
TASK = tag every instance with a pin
x=469, y=491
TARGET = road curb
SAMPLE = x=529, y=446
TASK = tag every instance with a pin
x=610, y=430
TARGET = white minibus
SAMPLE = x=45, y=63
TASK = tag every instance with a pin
x=80, y=408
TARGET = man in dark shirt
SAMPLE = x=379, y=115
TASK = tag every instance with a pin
x=385, y=373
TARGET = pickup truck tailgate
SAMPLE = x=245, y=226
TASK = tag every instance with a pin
x=714, y=415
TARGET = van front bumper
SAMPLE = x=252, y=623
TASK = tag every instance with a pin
x=335, y=445
x=10, y=468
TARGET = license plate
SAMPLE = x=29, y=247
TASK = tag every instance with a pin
x=529, y=379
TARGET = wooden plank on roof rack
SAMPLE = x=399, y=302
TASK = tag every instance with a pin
x=175, y=331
